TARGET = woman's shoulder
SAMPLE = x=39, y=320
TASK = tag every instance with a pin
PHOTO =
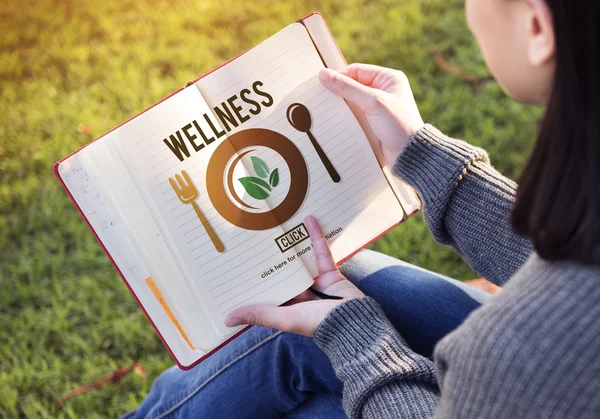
x=534, y=344
x=544, y=301
x=543, y=291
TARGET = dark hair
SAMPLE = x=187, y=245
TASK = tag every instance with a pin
x=558, y=199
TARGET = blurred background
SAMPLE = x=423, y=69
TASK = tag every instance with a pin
x=72, y=69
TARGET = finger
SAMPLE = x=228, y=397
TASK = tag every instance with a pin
x=365, y=74
x=256, y=315
x=286, y=319
x=348, y=88
x=323, y=256
x=382, y=78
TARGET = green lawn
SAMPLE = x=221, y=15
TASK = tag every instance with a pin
x=72, y=69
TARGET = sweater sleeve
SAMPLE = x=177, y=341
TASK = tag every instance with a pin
x=383, y=378
x=467, y=203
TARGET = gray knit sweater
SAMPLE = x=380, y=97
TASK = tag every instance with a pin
x=533, y=350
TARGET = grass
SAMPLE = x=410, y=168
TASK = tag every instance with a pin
x=71, y=69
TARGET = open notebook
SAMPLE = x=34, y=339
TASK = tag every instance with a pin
x=199, y=200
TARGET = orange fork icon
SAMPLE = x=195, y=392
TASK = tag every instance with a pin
x=188, y=193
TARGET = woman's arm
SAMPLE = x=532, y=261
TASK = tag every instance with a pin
x=467, y=203
x=383, y=378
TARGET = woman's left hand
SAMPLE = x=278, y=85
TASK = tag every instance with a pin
x=303, y=314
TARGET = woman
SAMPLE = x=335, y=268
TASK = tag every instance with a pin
x=533, y=350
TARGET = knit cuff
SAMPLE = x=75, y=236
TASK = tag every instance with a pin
x=434, y=164
x=353, y=335
x=351, y=328
x=367, y=353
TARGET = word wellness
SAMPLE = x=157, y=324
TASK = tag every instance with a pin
x=229, y=114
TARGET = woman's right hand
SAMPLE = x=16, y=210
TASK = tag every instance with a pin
x=384, y=95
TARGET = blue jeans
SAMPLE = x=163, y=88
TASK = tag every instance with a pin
x=269, y=374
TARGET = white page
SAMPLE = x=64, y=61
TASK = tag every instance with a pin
x=362, y=205
x=225, y=280
x=85, y=191
x=282, y=63
x=334, y=59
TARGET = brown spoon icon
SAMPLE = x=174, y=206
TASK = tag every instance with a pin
x=299, y=117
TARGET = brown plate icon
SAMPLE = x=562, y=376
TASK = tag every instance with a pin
x=216, y=182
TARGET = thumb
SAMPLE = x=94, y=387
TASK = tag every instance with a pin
x=256, y=315
x=348, y=88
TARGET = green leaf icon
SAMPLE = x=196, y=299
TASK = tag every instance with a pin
x=254, y=186
x=274, y=178
x=260, y=167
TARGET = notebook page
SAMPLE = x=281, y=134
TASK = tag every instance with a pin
x=361, y=205
x=320, y=34
x=353, y=211
x=132, y=213
x=225, y=279
x=280, y=64
x=86, y=192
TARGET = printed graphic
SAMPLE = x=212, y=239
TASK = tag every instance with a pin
x=292, y=237
x=256, y=187
x=236, y=147
x=167, y=309
x=188, y=193
x=261, y=186
x=299, y=117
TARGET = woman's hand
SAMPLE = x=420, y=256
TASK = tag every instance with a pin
x=384, y=95
x=303, y=314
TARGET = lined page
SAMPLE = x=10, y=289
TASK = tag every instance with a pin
x=362, y=205
x=358, y=208
x=334, y=59
x=177, y=138
x=281, y=63
x=223, y=281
